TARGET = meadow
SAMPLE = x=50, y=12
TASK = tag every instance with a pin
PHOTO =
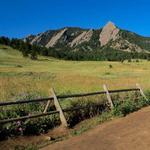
x=21, y=76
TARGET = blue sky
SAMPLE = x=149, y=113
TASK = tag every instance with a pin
x=19, y=18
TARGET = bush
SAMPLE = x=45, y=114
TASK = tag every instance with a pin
x=91, y=107
x=89, y=110
x=110, y=66
x=40, y=125
x=27, y=127
x=122, y=108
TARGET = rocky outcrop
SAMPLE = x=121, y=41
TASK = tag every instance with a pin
x=109, y=32
x=75, y=38
x=85, y=36
x=55, y=38
x=36, y=39
x=125, y=45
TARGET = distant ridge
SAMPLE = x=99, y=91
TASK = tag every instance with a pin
x=90, y=39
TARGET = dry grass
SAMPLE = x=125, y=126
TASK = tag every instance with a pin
x=20, y=75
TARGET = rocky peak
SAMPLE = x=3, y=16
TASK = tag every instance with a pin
x=110, y=25
x=55, y=38
x=109, y=32
x=85, y=36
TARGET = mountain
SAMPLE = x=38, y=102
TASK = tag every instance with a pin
x=77, y=39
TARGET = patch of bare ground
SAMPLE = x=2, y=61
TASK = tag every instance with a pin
x=130, y=132
x=54, y=135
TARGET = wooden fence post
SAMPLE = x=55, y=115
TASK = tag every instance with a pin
x=58, y=108
x=141, y=91
x=46, y=107
x=108, y=96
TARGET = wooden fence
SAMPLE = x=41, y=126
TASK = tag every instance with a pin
x=59, y=109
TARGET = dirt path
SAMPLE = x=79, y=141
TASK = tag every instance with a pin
x=131, y=132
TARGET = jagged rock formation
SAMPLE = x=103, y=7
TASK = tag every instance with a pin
x=85, y=39
x=36, y=39
x=109, y=32
x=125, y=45
x=55, y=38
x=85, y=36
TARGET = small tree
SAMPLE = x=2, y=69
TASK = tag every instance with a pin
x=33, y=55
x=110, y=66
x=129, y=60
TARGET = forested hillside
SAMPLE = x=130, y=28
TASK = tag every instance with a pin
x=107, y=43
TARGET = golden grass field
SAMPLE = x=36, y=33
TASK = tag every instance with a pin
x=20, y=75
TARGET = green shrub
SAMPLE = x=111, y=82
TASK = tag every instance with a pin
x=40, y=125
x=133, y=103
x=91, y=107
x=124, y=108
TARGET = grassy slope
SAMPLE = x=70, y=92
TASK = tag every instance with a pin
x=64, y=76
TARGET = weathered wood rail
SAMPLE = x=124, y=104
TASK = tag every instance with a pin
x=66, y=96
x=59, y=109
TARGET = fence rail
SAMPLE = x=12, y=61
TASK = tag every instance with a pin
x=61, y=111
x=66, y=96
x=40, y=115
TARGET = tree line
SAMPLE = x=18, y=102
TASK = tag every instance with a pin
x=26, y=48
x=67, y=53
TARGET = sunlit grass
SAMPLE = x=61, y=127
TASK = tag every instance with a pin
x=21, y=75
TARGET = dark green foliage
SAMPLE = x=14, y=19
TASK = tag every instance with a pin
x=92, y=44
x=107, y=54
x=129, y=60
x=40, y=125
x=26, y=48
x=129, y=103
x=94, y=41
x=92, y=109
x=27, y=127
x=143, y=42
x=84, y=52
x=4, y=40
x=70, y=34
x=110, y=66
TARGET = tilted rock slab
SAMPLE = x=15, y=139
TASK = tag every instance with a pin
x=85, y=36
x=36, y=39
x=109, y=32
x=55, y=38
